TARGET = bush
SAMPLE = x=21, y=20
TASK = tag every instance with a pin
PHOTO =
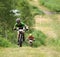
x=39, y=36
x=12, y=37
x=4, y=42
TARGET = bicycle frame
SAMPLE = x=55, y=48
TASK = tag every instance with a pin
x=20, y=37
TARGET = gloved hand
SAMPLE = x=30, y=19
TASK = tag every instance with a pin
x=14, y=28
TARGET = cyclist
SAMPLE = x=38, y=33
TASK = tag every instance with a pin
x=31, y=39
x=20, y=25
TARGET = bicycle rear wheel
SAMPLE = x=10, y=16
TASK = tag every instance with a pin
x=20, y=40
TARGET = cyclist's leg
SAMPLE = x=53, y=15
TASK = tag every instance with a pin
x=18, y=35
x=31, y=43
x=23, y=37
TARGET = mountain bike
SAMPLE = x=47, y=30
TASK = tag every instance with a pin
x=21, y=31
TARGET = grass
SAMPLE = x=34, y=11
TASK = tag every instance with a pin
x=12, y=40
x=50, y=22
x=50, y=26
x=20, y=52
x=5, y=43
x=28, y=52
x=39, y=36
x=36, y=11
x=53, y=5
x=56, y=24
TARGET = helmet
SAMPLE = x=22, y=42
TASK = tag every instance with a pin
x=30, y=34
x=18, y=20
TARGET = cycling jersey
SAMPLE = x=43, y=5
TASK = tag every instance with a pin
x=20, y=25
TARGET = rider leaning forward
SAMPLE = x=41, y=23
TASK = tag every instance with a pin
x=20, y=25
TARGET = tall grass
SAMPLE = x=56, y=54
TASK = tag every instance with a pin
x=53, y=5
x=40, y=38
x=54, y=42
x=5, y=43
x=12, y=37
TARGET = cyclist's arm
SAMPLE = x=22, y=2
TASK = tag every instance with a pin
x=26, y=27
x=15, y=27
